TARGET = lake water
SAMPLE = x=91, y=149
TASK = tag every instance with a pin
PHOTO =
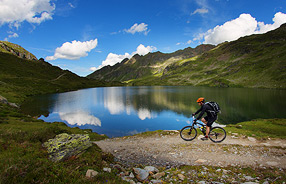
x=120, y=111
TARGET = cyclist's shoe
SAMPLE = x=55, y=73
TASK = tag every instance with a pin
x=204, y=138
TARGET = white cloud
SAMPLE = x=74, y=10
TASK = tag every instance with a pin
x=92, y=69
x=279, y=19
x=112, y=58
x=74, y=50
x=244, y=25
x=142, y=50
x=138, y=28
x=200, y=11
x=14, y=12
x=12, y=35
x=187, y=43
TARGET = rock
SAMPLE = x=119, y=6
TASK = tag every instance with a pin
x=272, y=163
x=248, y=178
x=181, y=177
x=158, y=175
x=5, y=101
x=252, y=139
x=151, y=169
x=200, y=136
x=119, y=168
x=200, y=161
x=131, y=175
x=156, y=181
x=141, y=174
x=64, y=146
x=202, y=182
x=91, y=173
x=107, y=169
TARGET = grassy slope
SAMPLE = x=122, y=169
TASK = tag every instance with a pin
x=256, y=61
x=20, y=78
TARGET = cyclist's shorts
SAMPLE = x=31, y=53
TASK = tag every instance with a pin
x=210, y=120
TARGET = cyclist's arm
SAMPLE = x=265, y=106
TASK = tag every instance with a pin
x=198, y=111
x=202, y=109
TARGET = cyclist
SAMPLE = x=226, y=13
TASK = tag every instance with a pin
x=209, y=119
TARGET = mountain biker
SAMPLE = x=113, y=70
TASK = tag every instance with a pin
x=209, y=119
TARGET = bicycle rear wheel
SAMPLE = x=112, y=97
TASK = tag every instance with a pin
x=217, y=134
x=188, y=133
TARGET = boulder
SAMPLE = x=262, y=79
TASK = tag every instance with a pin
x=64, y=146
x=141, y=174
x=91, y=173
x=3, y=100
x=151, y=169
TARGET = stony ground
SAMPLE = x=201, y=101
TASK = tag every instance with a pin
x=170, y=150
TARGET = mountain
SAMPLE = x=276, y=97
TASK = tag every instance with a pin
x=22, y=74
x=151, y=64
x=256, y=61
x=16, y=50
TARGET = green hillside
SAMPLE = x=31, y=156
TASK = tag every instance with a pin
x=256, y=61
x=151, y=64
x=20, y=77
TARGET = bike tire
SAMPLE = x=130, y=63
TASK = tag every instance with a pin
x=217, y=134
x=188, y=133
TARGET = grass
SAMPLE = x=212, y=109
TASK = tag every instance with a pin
x=20, y=78
x=260, y=128
x=24, y=160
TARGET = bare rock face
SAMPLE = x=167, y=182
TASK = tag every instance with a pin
x=16, y=50
x=64, y=146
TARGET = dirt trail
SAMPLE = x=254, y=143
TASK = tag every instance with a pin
x=171, y=150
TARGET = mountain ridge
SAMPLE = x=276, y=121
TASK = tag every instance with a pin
x=140, y=63
x=255, y=61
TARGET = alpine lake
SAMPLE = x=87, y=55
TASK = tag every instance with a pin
x=121, y=111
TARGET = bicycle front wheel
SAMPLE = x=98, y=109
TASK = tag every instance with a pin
x=217, y=134
x=188, y=133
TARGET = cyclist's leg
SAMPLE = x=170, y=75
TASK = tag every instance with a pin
x=211, y=120
x=205, y=121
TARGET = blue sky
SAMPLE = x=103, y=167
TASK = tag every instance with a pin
x=84, y=35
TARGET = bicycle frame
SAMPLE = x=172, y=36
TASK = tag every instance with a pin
x=200, y=124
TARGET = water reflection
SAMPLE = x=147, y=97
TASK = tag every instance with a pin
x=118, y=111
x=79, y=118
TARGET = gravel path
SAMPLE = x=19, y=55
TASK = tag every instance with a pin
x=171, y=150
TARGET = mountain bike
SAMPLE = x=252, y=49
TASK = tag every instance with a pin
x=216, y=134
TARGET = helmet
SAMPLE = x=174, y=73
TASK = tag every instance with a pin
x=201, y=100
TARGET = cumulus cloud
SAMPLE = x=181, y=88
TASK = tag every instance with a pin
x=244, y=25
x=200, y=11
x=73, y=50
x=138, y=28
x=112, y=58
x=32, y=11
